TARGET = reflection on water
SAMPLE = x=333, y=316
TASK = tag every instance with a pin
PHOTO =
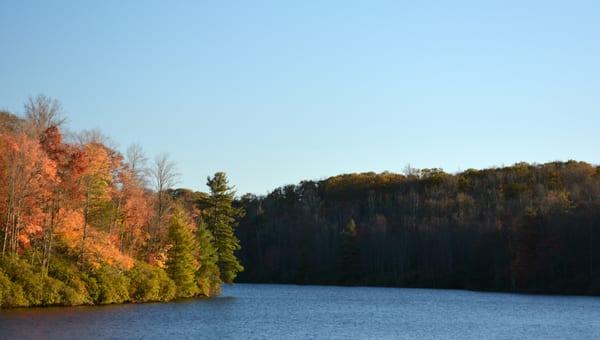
x=287, y=311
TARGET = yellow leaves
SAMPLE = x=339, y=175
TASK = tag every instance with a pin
x=100, y=248
x=159, y=259
x=103, y=251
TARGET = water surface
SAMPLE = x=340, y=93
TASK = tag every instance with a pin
x=288, y=311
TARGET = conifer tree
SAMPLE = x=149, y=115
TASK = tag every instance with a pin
x=208, y=276
x=221, y=217
x=181, y=263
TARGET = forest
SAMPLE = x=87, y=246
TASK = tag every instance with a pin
x=81, y=223
x=530, y=228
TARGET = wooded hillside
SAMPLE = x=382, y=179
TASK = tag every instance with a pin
x=526, y=228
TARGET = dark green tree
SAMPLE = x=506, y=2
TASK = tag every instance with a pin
x=350, y=253
x=208, y=275
x=181, y=262
x=221, y=217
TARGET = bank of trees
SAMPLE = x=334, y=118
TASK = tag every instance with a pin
x=81, y=223
x=525, y=228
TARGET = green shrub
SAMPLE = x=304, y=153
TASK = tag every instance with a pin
x=20, y=272
x=52, y=291
x=149, y=283
x=108, y=285
x=11, y=294
x=37, y=288
x=92, y=287
x=74, y=291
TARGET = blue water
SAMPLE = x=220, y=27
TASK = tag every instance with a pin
x=287, y=311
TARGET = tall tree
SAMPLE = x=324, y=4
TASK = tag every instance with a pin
x=96, y=191
x=163, y=175
x=221, y=217
x=208, y=276
x=181, y=262
x=26, y=177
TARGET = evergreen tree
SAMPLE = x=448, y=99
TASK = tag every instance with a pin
x=181, y=262
x=221, y=217
x=208, y=276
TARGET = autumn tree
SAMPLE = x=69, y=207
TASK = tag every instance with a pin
x=74, y=214
x=67, y=171
x=134, y=212
x=27, y=177
x=96, y=190
x=221, y=218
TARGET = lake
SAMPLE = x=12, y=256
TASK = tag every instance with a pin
x=288, y=311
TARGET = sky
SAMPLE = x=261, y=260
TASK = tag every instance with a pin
x=275, y=92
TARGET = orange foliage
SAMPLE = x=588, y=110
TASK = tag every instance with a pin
x=51, y=188
x=27, y=176
x=99, y=250
x=136, y=211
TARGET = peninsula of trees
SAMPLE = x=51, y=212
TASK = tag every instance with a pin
x=522, y=228
x=80, y=223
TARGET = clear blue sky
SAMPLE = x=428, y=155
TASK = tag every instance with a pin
x=280, y=91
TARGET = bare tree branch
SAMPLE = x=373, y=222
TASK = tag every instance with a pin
x=42, y=112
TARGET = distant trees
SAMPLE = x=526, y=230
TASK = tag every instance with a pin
x=350, y=253
x=530, y=228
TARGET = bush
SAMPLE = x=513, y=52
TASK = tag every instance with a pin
x=11, y=294
x=149, y=283
x=108, y=285
x=21, y=273
x=52, y=291
x=74, y=291
x=39, y=289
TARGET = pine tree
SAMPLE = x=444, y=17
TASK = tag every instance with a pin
x=208, y=276
x=181, y=262
x=221, y=217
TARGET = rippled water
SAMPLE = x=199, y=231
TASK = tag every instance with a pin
x=287, y=311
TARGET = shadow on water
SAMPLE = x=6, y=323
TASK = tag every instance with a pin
x=59, y=312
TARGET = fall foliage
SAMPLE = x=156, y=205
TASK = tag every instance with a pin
x=81, y=223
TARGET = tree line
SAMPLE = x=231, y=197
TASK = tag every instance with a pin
x=521, y=228
x=81, y=223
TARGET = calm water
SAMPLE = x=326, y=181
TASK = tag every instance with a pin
x=286, y=311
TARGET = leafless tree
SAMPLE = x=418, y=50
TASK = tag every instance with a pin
x=409, y=171
x=92, y=136
x=136, y=160
x=42, y=112
x=164, y=176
